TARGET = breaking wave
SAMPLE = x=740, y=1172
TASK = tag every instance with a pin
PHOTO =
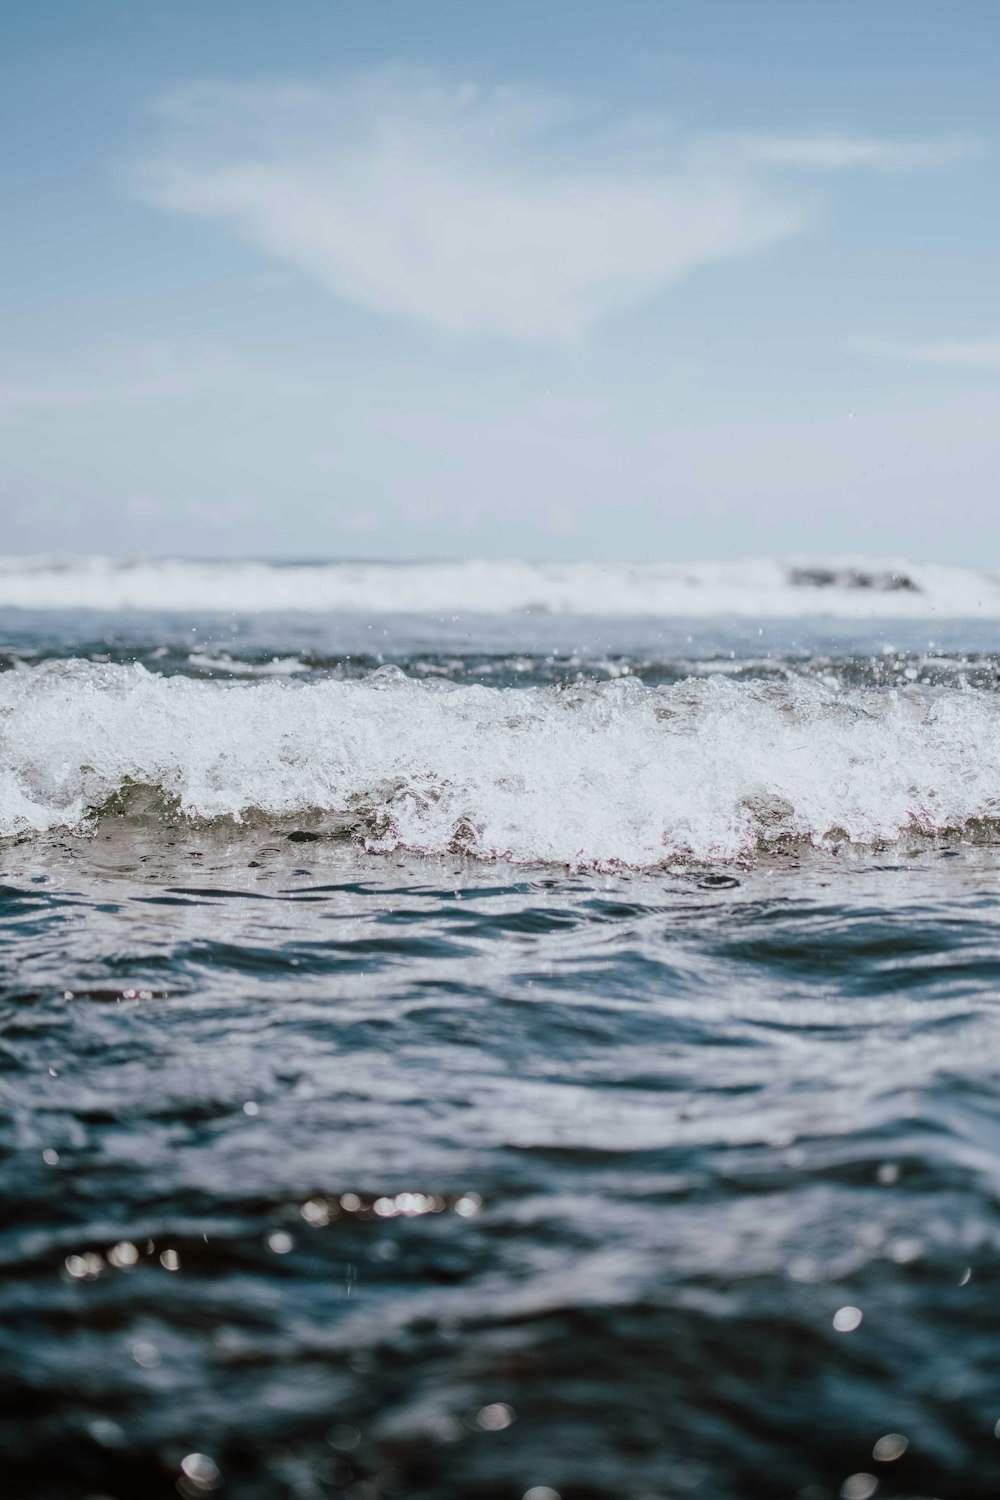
x=599, y=774
x=763, y=589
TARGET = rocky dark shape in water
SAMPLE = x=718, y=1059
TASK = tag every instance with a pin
x=852, y=578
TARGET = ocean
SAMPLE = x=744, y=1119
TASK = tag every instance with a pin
x=499, y=1031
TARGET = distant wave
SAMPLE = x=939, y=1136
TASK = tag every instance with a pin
x=604, y=774
x=755, y=588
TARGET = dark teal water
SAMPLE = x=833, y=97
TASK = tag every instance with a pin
x=332, y=1173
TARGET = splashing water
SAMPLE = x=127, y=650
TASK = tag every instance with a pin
x=596, y=774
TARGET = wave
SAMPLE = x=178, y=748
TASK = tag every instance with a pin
x=601, y=774
x=755, y=588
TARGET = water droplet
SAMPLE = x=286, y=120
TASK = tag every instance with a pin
x=495, y=1417
x=81, y=1267
x=858, y=1487
x=123, y=1254
x=202, y=1475
x=893, y=1445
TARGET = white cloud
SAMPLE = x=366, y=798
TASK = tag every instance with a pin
x=959, y=354
x=833, y=152
x=476, y=210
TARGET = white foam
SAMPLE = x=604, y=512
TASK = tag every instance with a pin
x=759, y=589
x=598, y=774
x=278, y=666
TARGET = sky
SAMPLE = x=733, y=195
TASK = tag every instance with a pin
x=567, y=279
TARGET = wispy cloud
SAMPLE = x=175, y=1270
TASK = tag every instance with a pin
x=833, y=152
x=959, y=354
x=476, y=210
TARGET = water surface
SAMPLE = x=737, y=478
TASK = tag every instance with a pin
x=337, y=1164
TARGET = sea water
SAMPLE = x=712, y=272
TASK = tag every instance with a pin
x=527, y=1050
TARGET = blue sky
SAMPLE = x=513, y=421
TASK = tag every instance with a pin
x=638, y=280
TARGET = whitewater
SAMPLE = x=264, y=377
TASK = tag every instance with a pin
x=587, y=774
x=752, y=588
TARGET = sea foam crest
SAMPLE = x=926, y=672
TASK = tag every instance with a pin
x=755, y=588
x=603, y=774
